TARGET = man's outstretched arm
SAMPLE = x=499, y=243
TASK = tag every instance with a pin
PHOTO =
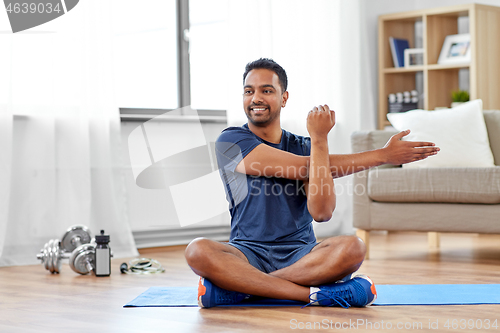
x=271, y=162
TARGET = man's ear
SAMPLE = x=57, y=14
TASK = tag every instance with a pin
x=284, y=98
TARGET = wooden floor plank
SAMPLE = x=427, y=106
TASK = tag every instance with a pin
x=33, y=300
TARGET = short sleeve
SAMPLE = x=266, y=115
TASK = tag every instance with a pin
x=296, y=144
x=306, y=143
x=233, y=145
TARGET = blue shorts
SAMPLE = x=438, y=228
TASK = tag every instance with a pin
x=269, y=257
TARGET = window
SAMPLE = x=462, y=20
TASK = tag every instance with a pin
x=169, y=54
x=208, y=51
x=145, y=53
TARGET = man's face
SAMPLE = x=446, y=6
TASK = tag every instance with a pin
x=262, y=97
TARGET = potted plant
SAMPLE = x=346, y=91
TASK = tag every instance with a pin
x=458, y=97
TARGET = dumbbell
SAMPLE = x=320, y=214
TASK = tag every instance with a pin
x=51, y=256
x=74, y=237
x=54, y=251
x=82, y=259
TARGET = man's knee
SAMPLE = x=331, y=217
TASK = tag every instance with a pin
x=358, y=248
x=196, y=251
x=352, y=247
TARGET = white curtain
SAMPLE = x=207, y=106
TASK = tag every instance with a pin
x=60, y=135
x=318, y=44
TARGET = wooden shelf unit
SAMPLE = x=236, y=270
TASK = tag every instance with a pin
x=440, y=80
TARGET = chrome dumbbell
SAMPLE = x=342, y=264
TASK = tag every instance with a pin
x=82, y=259
x=51, y=256
x=74, y=237
x=54, y=251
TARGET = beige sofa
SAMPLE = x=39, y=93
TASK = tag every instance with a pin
x=431, y=200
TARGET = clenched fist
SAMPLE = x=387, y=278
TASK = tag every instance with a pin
x=320, y=120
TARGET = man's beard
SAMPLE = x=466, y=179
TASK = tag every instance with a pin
x=261, y=120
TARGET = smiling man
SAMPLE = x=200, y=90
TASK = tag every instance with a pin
x=277, y=183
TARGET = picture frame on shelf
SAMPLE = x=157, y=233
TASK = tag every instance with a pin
x=455, y=50
x=414, y=57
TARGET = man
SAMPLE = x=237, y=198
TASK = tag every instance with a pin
x=276, y=184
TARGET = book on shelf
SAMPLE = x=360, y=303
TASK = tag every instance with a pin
x=398, y=47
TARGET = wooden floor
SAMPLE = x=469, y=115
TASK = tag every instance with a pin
x=33, y=300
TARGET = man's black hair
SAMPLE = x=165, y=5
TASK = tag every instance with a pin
x=270, y=64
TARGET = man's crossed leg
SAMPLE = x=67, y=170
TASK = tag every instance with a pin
x=329, y=261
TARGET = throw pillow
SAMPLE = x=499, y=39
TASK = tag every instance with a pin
x=459, y=132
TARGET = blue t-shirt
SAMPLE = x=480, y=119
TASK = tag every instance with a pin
x=263, y=209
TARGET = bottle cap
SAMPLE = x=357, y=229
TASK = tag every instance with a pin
x=102, y=238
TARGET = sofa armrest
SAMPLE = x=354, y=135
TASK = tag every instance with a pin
x=492, y=120
x=363, y=141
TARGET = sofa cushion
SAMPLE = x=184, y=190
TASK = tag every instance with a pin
x=459, y=132
x=454, y=185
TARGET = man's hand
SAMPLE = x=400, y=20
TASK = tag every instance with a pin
x=398, y=152
x=320, y=121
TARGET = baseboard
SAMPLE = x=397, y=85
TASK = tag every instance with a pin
x=178, y=236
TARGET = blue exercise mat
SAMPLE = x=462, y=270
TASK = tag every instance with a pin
x=424, y=294
x=188, y=297
x=438, y=294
